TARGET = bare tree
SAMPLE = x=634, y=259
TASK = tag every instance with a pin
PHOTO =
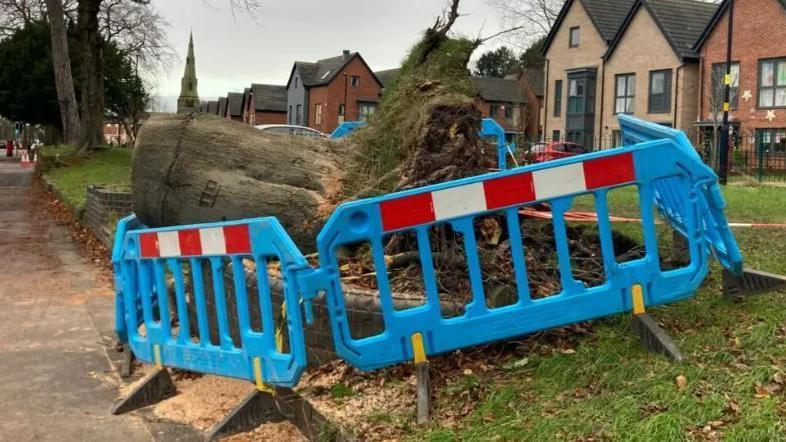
x=64, y=81
x=139, y=31
x=531, y=19
x=715, y=105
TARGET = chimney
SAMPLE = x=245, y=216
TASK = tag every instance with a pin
x=346, y=54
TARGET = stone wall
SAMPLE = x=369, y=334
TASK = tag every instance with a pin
x=103, y=207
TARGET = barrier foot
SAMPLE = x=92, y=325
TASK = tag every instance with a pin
x=424, y=392
x=127, y=363
x=752, y=282
x=654, y=338
x=257, y=408
x=310, y=422
x=154, y=388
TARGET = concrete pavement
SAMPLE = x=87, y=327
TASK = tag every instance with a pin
x=55, y=323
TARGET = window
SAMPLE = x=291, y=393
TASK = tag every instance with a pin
x=772, y=140
x=341, y=109
x=718, y=85
x=625, y=94
x=659, y=100
x=318, y=113
x=366, y=110
x=557, y=98
x=299, y=114
x=509, y=112
x=354, y=81
x=576, y=95
x=493, y=110
x=296, y=79
x=574, y=37
x=555, y=135
x=772, y=83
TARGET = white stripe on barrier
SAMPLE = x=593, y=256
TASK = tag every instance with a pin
x=168, y=244
x=212, y=239
x=457, y=201
x=558, y=181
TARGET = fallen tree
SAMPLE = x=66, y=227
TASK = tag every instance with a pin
x=200, y=168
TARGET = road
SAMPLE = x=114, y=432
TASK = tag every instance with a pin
x=55, y=325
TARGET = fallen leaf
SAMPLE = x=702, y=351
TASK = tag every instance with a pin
x=467, y=372
x=681, y=381
x=568, y=351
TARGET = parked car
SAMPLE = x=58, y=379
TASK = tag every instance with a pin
x=289, y=129
x=554, y=150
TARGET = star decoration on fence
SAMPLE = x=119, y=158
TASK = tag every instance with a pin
x=770, y=115
x=747, y=95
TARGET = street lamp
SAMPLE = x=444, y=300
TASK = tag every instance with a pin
x=723, y=169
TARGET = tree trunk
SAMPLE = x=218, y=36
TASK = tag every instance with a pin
x=200, y=168
x=92, y=73
x=64, y=81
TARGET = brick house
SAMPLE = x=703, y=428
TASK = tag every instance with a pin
x=245, y=113
x=503, y=100
x=574, y=50
x=267, y=105
x=661, y=83
x=758, y=74
x=531, y=84
x=325, y=93
x=234, y=109
x=115, y=134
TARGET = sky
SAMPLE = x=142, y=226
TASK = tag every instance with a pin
x=233, y=51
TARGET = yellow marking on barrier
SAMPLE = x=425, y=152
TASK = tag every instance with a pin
x=637, y=294
x=726, y=107
x=418, y=349
x=727, y=79
x=260, y=383
x=157, y=356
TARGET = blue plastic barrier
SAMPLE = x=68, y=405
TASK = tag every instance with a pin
x=491, y=129
x=346, y=128
x=661, y=164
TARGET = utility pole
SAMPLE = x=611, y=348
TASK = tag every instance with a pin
x=723, y=168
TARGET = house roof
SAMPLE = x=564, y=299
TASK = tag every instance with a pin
x=235, y=100
x=270, y=97
x=536, y=79
x=680, y=21
x=719, y=12
x=323, y=71
x=499, y=89
x=606, y=15
x=387, y=75
x=222, y=106
x=212, y=107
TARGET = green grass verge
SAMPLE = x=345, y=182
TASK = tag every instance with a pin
x=111, y=167
x=612, y=389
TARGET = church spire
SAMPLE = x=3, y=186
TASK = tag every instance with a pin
x=189, y=98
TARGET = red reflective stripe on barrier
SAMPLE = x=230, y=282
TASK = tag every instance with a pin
x=148, y=245
x=407, y=211
x=190, y=244
x=237, y=239
x=609, y=171
x=509, y=191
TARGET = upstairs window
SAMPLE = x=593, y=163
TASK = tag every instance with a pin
x=772, y=83
x=574, y=37
x=318, y=113
x=659, y=100
x=354, y=81
x=719, y=86
x=576, y=95
x=625, y=94
x=296, y=79
x=557, y=98
x=509, y=112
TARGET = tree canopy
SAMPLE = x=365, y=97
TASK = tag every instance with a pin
x=497, y=63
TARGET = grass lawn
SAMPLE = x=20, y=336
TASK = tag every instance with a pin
x=612, y=389
x=110, y=167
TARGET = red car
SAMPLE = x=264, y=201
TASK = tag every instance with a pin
x=554, y=150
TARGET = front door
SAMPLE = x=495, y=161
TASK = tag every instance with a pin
x=580, y=122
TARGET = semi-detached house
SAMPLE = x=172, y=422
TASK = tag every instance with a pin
x=606, y=57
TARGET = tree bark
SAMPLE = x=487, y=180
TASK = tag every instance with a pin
x=64, y=80
x=92, y=73
x=201, y=168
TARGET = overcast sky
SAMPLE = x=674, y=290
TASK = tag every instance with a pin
x=232, y=52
